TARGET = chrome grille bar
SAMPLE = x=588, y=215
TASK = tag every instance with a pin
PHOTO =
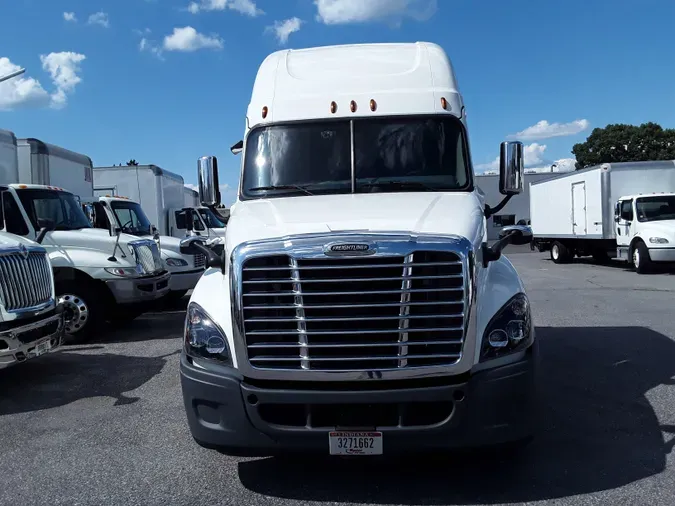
x=323, y=314
x=25, y=282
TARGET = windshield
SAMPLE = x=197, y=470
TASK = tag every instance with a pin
x=656, y=208
x=131, y=218
x=60, y=207
x=210, y=218
x=390, y=154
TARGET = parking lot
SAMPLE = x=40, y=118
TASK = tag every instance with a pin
x=104, y=423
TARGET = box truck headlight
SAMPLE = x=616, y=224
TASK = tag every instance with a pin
x=509, y=330
x=658, y=240
x=176, y=262
x=124, y=272
x=203, y=338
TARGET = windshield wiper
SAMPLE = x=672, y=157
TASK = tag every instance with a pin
x=282, y=187
x=398, y=184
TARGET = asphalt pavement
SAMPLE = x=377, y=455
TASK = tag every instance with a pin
x=103, y=424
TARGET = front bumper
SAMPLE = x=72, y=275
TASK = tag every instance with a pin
x=31, y=339
x=186, y=280
x=662, y=254
x=131, y=290
x=487, y=408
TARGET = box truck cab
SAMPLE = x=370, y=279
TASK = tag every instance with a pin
x=110, y=213
x=645, y=229
x=162, y=194
x=31, y=319
x=357, y=308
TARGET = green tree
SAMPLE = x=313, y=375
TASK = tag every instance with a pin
x=625, y=143
x=132, y=162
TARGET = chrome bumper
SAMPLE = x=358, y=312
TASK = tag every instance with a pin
x=662, y=254
x=31, y=340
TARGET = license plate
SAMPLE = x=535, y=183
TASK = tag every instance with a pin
x=355, y=443
x=42, y=348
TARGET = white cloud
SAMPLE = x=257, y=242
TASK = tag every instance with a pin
x=334, y=12
x=283, y=29
x=146, y=45
x=187, y=39
x=19, y=91
x=70, y=16
x=545, y=130
x=63, y=68
x=246, y=7
x=532, y=153
x=99, y=18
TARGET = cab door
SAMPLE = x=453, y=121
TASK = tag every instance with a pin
x=624, y=225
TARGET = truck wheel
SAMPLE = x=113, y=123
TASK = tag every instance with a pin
x=83, y=310
x=559, y=253
x=642, y=263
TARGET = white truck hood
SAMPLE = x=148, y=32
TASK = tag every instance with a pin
x=660, y=228
x=14, y=240
x=458, y=214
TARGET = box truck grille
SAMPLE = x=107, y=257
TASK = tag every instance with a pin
x=147, y=256
x=350, y=314
x=25, y=281
x=200, y=260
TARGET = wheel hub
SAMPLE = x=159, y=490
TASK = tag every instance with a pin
x=76, y=313
x=636, y=258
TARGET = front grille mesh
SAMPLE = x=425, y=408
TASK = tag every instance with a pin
x=200, y=260
x=24, y=282
x=349, y=314
x=148, y=257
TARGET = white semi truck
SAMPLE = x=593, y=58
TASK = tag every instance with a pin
x=98, y=277
x=109, y=213
x=162, y=195
x=357, y=307
x=614, y=210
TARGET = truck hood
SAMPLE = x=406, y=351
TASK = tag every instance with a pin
x=91, y=239
x=458, y=214
x=14, y=240
x=661, y=228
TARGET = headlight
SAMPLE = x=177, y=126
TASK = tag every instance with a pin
x=176, y=262
x=125, y=272
x=509, y=330
x=203, y=338
x=658, y=240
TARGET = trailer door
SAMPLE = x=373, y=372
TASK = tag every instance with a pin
x=579, y=208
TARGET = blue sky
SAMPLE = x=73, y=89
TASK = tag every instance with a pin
x=164, y=81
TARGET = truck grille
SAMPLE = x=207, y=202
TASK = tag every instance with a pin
x=148, y=256
x=351, y=314
x=24, y=282
x=200, y=260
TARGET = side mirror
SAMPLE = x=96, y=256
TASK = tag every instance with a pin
x=520, y=234
x=196, y=245
x=517, y=235
x=617, y=218
x=45, y=226
x=207, y=175
x=511, y=168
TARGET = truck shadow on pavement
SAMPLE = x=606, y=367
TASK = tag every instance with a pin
x=62, y=378
x=597, y=431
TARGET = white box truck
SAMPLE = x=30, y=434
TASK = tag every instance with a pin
x=191, y=197
x=614, y=210
x=357, y=308
x=162, y=195
x=31, y=318
x=98, y=277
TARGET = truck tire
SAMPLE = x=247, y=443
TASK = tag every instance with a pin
x=83, y=309
x=642, y=262
x=559, y=253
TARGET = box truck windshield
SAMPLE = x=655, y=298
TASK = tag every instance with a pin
x=60, y=207
x=210, y=218
x=131, y=218
x=390, y=154
x=657, y=208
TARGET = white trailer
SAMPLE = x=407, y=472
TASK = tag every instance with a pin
x=580, y=213
x=50, y=165
x=191, y=197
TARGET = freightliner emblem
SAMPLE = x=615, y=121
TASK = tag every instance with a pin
x=349, y=248
x=23, y=251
